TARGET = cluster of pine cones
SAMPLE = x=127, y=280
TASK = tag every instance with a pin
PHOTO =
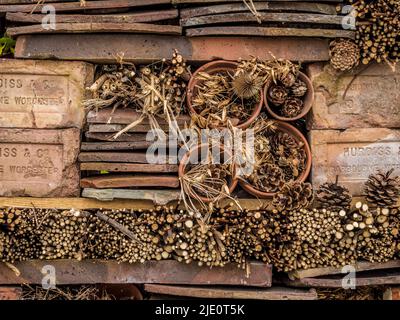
x=287, y=95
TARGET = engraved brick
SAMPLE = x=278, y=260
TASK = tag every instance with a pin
x=43, y=94
x=353, y=154
x=365, y=97
x=39, y=163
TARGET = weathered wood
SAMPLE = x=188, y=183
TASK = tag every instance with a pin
x=77, y=203
x=322, y=8
x=125, y=199
x=158, y=197
x=97, y=28
x=103, y=48
x=124, y=181
x=69, y=272
x=360, y=266
x=35, y=1
x=135, y=157
x=128, y=167
x=363, y=279
x=269, y=32
x=105, y=146
x=126, y=137
x=126, y=116
x=76, y=6
x=274, y=293
x=10, y=293
x=107, y=128
x=145, y=16
x=287, y=18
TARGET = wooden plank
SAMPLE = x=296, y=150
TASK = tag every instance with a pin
x=107, y=128
x=70, y=272
x=126, y=116
x=322, y=8
x=124, y=181
x=158, y=197
x=287, y=18
x=135, y=157
x=359, y=266
x=110, y=146
x=361, y=281
x=269, y=32
x=10, y=293
x=97, y=28
x=77, y=203
x=125, y=200
x=144, y=16
x=128, y=167
x=274, y=293
x=103, y=48
x=75, y=5
x=126, y=137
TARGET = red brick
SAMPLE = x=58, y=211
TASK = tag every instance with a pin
x=353, y=154
x=392, y=293
x=10, y=293
x=39, y=163
x=43, y=94
x=359, y=99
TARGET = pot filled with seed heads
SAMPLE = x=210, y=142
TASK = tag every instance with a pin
x=289, y=93
x=220, y=91
x=281, y=155
x=206, y=175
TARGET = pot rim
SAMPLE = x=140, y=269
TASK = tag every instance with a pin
x=215, y=66
x=298, y=136
x=308, y=99
x=183, y=163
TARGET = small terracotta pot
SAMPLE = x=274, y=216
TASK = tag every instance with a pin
x=308, y=99
x=215, y=67
x=288, y=128
x=184, y=162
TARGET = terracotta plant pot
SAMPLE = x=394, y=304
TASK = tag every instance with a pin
x=308, y=99
x=216, y=67
x=287, y=128
x=185, y=161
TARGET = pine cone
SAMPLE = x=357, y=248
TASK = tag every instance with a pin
x=277, y=94
x=333, y=197
x=293, y=196
x=267, y=178
x=382, y=190
x=283, y=144
x=246, y=85
x=299, y=88
x=292, y=107
x=344, y=53
x=287, y=79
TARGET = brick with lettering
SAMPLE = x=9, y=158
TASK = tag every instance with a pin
x=39, y=162
x=43, y=94
x=367, y=97
x=353, y=154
